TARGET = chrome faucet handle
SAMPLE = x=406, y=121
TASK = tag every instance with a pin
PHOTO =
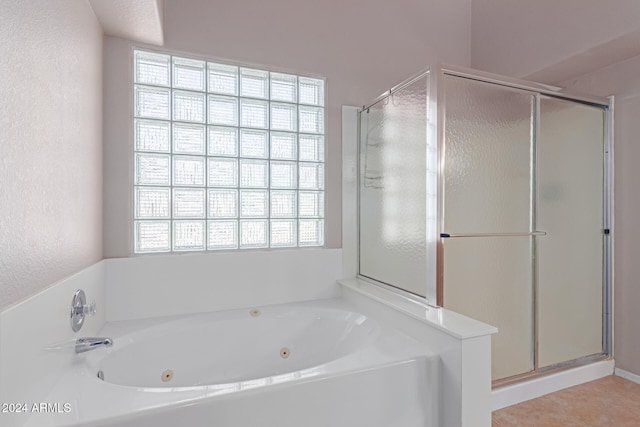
x=89, y=309
x=80, y=309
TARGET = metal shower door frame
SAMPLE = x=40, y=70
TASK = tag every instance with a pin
x=436, y=120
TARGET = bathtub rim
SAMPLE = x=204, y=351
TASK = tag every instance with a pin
x=130, y=333
x=432, y=362
x=451, y=323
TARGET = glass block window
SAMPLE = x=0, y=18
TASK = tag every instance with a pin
x=225, y=157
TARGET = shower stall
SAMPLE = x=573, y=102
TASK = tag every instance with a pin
x=491, y=196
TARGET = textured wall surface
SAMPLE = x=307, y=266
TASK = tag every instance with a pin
x=361, y=47
x=50, y=143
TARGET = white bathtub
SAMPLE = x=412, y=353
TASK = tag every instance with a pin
x=234, y=346
x=309, y=364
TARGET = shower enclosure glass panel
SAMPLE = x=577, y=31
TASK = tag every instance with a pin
x=488, y=179
x=487, y=152
x=570, y=258
x=491, y=196
x=489, y=279
x=392, y=188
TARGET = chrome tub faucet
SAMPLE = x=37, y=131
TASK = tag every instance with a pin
x=90, y=343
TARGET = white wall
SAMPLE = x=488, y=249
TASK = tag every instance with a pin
x=621, y=80
x=50, y=133
x=550, y=39
x=361, y=47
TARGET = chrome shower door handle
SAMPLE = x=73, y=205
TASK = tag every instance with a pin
x=529, y=234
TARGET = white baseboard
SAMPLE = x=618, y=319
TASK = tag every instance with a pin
x=521, y=392
x=627, y=375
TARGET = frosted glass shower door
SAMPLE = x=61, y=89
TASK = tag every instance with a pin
x=570, y=257
x=392, y=189
x=488, y=215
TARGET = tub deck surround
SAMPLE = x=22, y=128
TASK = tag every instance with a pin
x=346, y=368
x=145, y=287
x=28, y=371
x=351, y=400
x=165, y=285
x=447, y=321
x=463, y=344
x=370, y=356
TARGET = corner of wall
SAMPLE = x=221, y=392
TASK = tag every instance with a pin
x=160, y=12
x=117, y=148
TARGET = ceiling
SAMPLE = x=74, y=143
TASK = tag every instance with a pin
x=137, y=20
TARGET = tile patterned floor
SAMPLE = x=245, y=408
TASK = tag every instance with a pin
x=608, y=402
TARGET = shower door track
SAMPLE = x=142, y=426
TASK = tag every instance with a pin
x=552, y=369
